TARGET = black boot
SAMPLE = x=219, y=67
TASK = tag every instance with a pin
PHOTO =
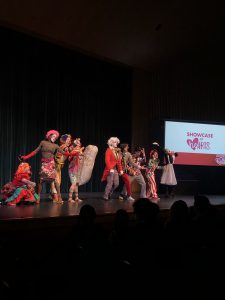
x=171, y=191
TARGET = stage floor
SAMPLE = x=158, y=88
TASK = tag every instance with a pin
x=48, y=209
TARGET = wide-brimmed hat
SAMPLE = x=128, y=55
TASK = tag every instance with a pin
x=51, y=132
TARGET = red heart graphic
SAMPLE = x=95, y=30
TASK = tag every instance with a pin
x=193, y=143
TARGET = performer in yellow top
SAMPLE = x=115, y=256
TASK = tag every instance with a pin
x=65, y=142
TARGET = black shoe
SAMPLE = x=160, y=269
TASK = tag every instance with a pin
x=110, y=195
x=121, y=196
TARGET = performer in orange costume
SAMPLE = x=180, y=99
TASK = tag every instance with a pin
x=21, y=188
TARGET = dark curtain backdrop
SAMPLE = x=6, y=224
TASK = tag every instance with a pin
x=43, y=87
x=193, y=90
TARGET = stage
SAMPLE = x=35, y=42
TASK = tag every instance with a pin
x=48, y=209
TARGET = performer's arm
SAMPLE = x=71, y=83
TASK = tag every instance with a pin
x=107, y=159
x=144, y=156
x=71, y=153
x=28, y=182
x=131, y=162
x=25, y=157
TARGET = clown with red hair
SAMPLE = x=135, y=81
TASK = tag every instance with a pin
x=21, y=188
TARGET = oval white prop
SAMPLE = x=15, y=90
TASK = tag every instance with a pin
x=87, y=163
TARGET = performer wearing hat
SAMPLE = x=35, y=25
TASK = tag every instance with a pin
x=168, y=178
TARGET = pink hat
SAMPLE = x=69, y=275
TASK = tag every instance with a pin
x=50, y=132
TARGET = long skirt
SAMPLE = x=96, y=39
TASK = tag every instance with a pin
x=168, y=175
x=22, y=194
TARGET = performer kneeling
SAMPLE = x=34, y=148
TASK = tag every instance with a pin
x=21, y=188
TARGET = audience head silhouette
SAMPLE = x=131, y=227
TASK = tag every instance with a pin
x=87, y=215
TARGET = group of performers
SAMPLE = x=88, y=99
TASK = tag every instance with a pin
x=53, y=157
x=134, y=167
x=119, y=162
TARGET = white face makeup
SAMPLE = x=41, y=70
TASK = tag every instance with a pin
x=77, y=142
x=155, y=155
x=114, y=144
x=68, y=141
x=53, y=138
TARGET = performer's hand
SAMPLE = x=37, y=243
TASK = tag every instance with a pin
x=31, y=188
x=112, y=171
x=21, y=158
x=121, y=172
x=71, y=154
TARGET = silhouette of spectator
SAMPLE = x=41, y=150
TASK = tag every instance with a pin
x=177, y=235
x=206, y=233
x=121, y=224
x=146, y=234
x=88, y=242
x=119, y=241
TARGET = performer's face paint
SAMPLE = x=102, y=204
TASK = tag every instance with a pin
x=68, y=141
x=155, y=155
x=114, y=144
x=53, y=138
x=77, y=142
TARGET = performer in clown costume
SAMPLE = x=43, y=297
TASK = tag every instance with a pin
x=75, y=169
x=21, y=188
x=153, y=164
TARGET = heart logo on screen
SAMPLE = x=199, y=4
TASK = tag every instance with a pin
x=193, y=143
x=220, y=160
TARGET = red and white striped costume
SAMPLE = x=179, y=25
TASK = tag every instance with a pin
x=150, y=175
